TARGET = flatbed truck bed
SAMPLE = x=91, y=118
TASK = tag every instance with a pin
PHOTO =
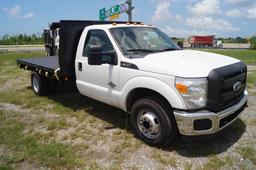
x=49, y=66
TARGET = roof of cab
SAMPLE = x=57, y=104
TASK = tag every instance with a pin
x=115, y=25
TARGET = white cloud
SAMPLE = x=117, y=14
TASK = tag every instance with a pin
x=251, y=12
x=210, y=23
x=244, y=8
x=162, y=12
x=179, y=18
x=184, y=33
x=206, y=7
x=15, y=13
x=29, y=15
x=207, y=17
x=233, y=13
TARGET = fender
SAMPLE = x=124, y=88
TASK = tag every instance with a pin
x=154, y=84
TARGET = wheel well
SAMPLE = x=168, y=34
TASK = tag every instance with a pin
x=139, y=93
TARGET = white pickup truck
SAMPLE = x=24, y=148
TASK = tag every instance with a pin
x=140, y=70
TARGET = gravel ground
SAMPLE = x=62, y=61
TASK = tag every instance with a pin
x=102, y=143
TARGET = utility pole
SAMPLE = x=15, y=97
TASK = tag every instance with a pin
x=130, y=8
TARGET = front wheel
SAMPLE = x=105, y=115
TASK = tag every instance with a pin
x=153, y=121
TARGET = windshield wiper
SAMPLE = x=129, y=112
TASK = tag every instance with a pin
x=168, y=49
x=141, y=50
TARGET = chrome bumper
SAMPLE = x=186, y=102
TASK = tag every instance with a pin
x=185, y=120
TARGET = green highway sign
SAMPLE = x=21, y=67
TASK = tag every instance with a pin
x=113, y=11
x=103, y=14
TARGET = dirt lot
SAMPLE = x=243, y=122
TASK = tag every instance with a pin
x=68, y=131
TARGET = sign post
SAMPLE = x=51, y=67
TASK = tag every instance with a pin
x=129, y=11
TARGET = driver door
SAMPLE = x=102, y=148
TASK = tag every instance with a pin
x=98, y=82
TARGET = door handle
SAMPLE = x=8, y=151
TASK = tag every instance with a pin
x=112, y=84
x=80, y=66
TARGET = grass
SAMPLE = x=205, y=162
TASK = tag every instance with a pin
x=248, y=152
x=188, y=166
x=12, y=56
x=59, y=124
x=166, y=159
x=247, y=56
x=215, y=162
x=42, y=149
x=251, y=79
x=27, y=147
x=5, y=167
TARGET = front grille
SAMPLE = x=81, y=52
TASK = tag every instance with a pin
x=221, y=81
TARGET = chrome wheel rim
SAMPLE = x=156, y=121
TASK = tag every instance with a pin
x=149, y=124
x=35, y=84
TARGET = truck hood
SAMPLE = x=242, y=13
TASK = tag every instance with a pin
x=183, y=63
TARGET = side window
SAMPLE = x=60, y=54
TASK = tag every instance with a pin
x=97, y=37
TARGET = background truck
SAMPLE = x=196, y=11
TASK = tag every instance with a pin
x=140, y=70
x=51, y=39
x=204, y=41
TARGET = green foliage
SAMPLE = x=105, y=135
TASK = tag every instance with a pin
x=21, y=39
x=251, y=80
x=5, y=167
x=253, y=42
x=215, y=162
x=248, y=152
x=233, y=40
x=52, y=155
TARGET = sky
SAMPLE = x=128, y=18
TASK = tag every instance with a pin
x=178, y=18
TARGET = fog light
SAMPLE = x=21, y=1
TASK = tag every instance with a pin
x=202, y=124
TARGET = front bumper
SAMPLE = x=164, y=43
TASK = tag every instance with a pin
x=205, y=122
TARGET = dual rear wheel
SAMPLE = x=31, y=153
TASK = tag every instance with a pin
x=39, y=84
x=42, y=85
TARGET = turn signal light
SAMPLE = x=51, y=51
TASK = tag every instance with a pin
x=182, y=88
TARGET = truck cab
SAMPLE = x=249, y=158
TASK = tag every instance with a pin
x=166, y=90
x=142, y=60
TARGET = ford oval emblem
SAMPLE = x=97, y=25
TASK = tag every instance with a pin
x=237, y=86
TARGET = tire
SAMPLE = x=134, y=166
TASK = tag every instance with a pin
x=153, y=121
x=39, y=84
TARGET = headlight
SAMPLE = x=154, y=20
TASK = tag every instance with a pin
x=193, y=91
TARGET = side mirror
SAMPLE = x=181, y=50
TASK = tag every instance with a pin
x=96, y=56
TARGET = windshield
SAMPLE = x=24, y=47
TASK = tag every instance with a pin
x=142, y=40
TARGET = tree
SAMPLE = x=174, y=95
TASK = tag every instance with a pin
x=21, y=39
x=253, y=42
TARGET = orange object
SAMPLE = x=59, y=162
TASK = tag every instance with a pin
x=182, y=88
